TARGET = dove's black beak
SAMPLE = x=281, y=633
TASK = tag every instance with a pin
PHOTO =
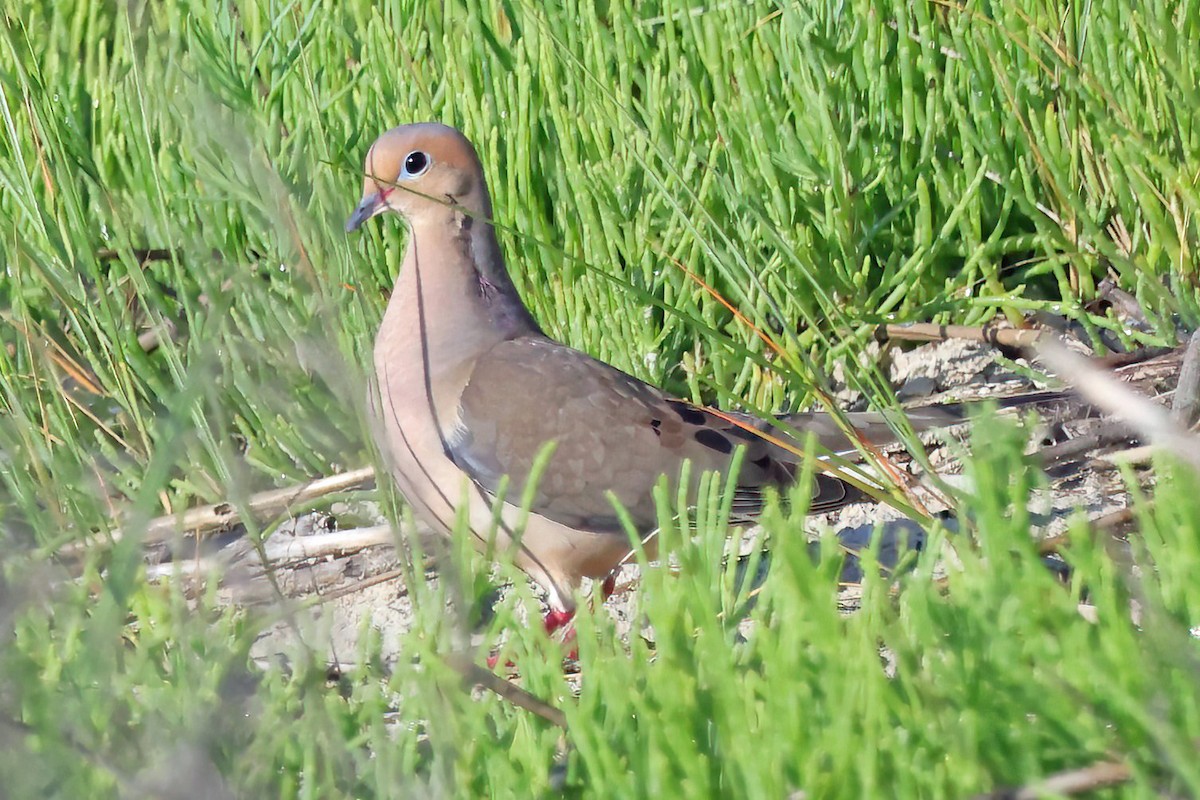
x=371, y=205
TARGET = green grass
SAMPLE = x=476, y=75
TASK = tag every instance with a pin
x=826, y=166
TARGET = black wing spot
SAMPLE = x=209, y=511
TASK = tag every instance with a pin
x=762, y=462
x=689, y=414
x=656, y=424
x=714, y=440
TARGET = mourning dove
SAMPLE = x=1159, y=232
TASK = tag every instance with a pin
x=470, y=390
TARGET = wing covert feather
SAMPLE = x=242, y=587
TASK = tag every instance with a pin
x=612, y=432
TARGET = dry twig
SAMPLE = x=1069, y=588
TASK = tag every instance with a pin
x=1074, y=781
x=1187, y=391
x=1009, y=338
x=222, y=516
x=282, y=550
x=1145, y=417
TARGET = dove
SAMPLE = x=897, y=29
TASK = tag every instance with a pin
x=471, y=393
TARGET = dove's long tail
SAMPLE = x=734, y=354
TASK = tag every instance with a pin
x=873, y=425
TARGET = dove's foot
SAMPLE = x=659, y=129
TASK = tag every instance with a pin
x=556, y=620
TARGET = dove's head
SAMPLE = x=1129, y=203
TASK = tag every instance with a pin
x=420, y=169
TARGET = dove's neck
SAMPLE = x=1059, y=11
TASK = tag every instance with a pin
x=453, y=298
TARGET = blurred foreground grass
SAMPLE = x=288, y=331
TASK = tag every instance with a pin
x=826, y=166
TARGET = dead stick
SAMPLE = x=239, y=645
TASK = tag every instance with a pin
x=1120, y=361
x=1074, y=781
x=282, y=550
x=1187, y=391
x=341, y=543
x=363, y=585
x=1078, y=446
x=476, y=675
x=1149, y=420
x=1111, y=524
x=221, y=516
x=929, y=332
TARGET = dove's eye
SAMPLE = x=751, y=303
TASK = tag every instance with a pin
x=415, y=163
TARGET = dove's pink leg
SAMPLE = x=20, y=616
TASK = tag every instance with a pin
x=556, y=619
